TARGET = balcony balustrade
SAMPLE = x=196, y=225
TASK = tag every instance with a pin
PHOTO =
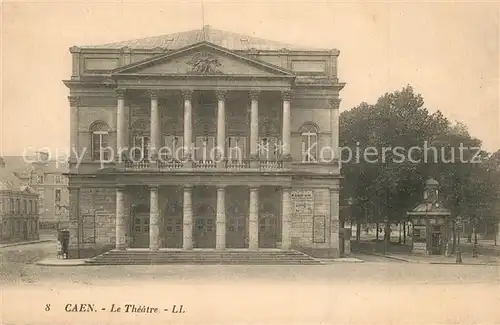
x=228, y=164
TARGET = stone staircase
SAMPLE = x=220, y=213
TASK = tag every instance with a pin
x=203, y=257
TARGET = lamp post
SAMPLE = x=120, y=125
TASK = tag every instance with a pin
x=458, y=227
x=474, y=243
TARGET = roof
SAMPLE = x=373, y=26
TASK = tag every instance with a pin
x=426, y=209
x=8, y=181
x=431, y=181
x=226, y=39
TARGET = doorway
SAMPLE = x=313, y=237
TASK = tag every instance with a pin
x=204, y=227
x=140, y=230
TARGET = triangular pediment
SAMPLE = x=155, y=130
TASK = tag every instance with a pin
x=203, y=59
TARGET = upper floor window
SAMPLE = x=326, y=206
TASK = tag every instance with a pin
x=40, y=179
x=99, y=133
x=25, y=205
x=59, y=179
x=173, y=147
x=236, y=148
x=269, y=148
x=205, y=148
x=309, y=142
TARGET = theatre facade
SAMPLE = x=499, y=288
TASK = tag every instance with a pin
x=204, y=139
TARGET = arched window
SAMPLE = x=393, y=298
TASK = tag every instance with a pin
x=309, y=142
x=99, y=142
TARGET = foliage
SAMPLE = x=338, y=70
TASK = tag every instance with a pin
x=392, y=185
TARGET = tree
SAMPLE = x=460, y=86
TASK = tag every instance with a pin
x=392, y=184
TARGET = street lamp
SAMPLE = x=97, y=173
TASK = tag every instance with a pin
x=458, y=227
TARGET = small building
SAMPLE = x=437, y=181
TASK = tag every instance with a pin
x=48, y=180
x=18, y=208
x=432, y=224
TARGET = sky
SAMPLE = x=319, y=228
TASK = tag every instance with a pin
x=448, y=52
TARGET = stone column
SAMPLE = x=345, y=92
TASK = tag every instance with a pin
x=188, y=126
x=120, y=218
x=74, y=102
x=221, y=127
x=187, y=239
x=334, y=108
x=120, y=126
x=254, y=127
x=253, y=224
x=154, y=220
x=221, y=219
x=334, y=221
x=286, y=219
x=154, y=126
x=286, y=135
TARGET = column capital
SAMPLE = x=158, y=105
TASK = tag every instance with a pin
x=153, y=93
x=254, y=187
x=154, y=187
x=221, y=187
x=254, y=94
x=334, y=103
x=188, y=187
x=286, y=188
x=120, y=188
x=187, y=94
x=120, y=93
x=74, y=101
x=286, y=95
x=221, y=94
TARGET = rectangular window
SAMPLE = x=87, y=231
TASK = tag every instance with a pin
x=18, y=206
x=269, y=148
x=25, y=205
x=40, y=179
x=204, y=148
x=88, y=231
x=57, y=201
x=58, y=179
x=173, y=148
x=309, y=147
x=140, y=147
x=99, y=144
x=41, y=199
x=236, y=148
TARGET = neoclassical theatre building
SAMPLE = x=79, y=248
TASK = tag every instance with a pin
x=204, y=139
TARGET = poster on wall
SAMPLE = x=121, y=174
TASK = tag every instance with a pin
x=319, y=229
x=303, y=202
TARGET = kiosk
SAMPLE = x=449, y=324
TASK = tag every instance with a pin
x=432, y=224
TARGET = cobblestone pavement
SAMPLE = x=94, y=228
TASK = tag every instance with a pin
x=379, y=291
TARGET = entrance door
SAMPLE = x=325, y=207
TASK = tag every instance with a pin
x=204, y=232
x=173, y=231
x=141, y=231
x=268, y=230
x=436, y=242
x=236, y=231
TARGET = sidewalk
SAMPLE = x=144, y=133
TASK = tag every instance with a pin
x=30, y=242
x=54, y=261
x=440, y=259
x=340, y=260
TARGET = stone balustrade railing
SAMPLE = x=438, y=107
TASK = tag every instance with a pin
x=264, y=165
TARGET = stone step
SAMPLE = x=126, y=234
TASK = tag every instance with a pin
x=204, y=257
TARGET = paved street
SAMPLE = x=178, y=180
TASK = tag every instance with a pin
x=378, y=291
